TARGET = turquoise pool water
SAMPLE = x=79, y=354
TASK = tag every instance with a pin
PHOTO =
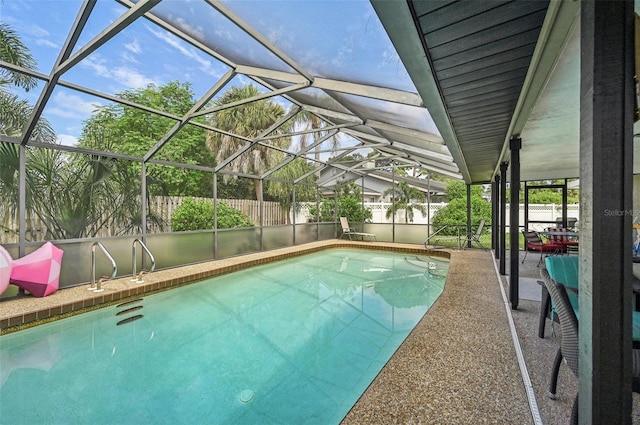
x=292, y=342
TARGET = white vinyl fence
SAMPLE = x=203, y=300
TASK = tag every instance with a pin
x=537, y=212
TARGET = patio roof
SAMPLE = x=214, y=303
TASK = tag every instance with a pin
x=495, y=70
x=336, y=63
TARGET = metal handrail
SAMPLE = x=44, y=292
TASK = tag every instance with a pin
x=135, y=278
x=457, y=226
x=97, y=287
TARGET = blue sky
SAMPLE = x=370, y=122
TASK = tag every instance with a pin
x=329, y=38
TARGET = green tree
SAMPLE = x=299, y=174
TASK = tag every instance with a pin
x=281, y=188
x=15, y=112
x=549, y=196
x=75, y=194
x=309, y=121
x=247, y=120
x=456, y=189
x=405, y=198
x=198, y=215
x=14, y=115
x=349, y=205
x=455, y=212
x=124, y=129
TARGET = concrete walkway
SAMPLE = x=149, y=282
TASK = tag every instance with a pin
x=459, y=364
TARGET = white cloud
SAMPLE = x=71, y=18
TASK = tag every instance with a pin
x=67, y=139
x=96, y=63
x=66, y=105
x=47, y=43
x=133, y=47
x=128, y=57
x=36, y=31
x=205, y=65
x=124, y=75
x=130, y=77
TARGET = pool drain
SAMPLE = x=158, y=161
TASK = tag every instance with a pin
x=246, y=396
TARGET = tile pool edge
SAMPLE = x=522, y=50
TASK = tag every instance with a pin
x=66, y=302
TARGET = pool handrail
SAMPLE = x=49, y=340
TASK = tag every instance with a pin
x=134, y=277
x=97, y=287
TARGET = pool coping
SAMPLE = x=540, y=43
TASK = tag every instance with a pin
x=25, y=311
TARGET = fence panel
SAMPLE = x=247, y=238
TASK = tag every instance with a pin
x=164, y=206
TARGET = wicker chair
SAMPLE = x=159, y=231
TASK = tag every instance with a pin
x=569, y=349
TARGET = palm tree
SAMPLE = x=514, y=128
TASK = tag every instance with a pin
x=405, y=198
x=14, y=112
x=283, y=190
x=248, y=120
x=311, y=121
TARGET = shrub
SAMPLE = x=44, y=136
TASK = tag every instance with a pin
x=198, y=215
x=456, y=211
x=349, y=205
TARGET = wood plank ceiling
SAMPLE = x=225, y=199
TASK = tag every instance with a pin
x=480, y=52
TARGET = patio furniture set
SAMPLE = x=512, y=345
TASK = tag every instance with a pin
x=558, y=241
x=560, y=304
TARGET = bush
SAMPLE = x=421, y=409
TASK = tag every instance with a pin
x=456, y=211
x=198, y=215
x=349, y=205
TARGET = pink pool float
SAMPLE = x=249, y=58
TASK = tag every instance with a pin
x=38, y=272
x=5, y=268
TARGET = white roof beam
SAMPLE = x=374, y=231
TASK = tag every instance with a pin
x=415, y=134
x=261, y=96
x=316, y=130
x=373, y=92
x=111, y=31
x=181, y=34
x=271, y=74
x=333, y=114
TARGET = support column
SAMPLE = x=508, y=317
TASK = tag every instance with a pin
x=494, y=215
x=393, y=200
x=606, y=166
x=22, y=201
x=526, y=208
x=565, y=210
x=503, y=217
x=514, y=223
x=261, y=206
x=293, y=212
x=143, y=204
x=215, y=215
x=468, y=216
x=428, y=205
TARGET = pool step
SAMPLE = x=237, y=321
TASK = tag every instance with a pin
x=129, y=307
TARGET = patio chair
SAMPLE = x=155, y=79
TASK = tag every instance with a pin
x=532, y=241
x=346, y=230
x=562, y=270
x=441, y=237
x=475, y=238
x=563, y=240
x=569, y=349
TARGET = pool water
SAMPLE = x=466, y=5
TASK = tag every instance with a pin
x=291, y=342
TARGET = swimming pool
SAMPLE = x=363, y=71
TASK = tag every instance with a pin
x=296, y=341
